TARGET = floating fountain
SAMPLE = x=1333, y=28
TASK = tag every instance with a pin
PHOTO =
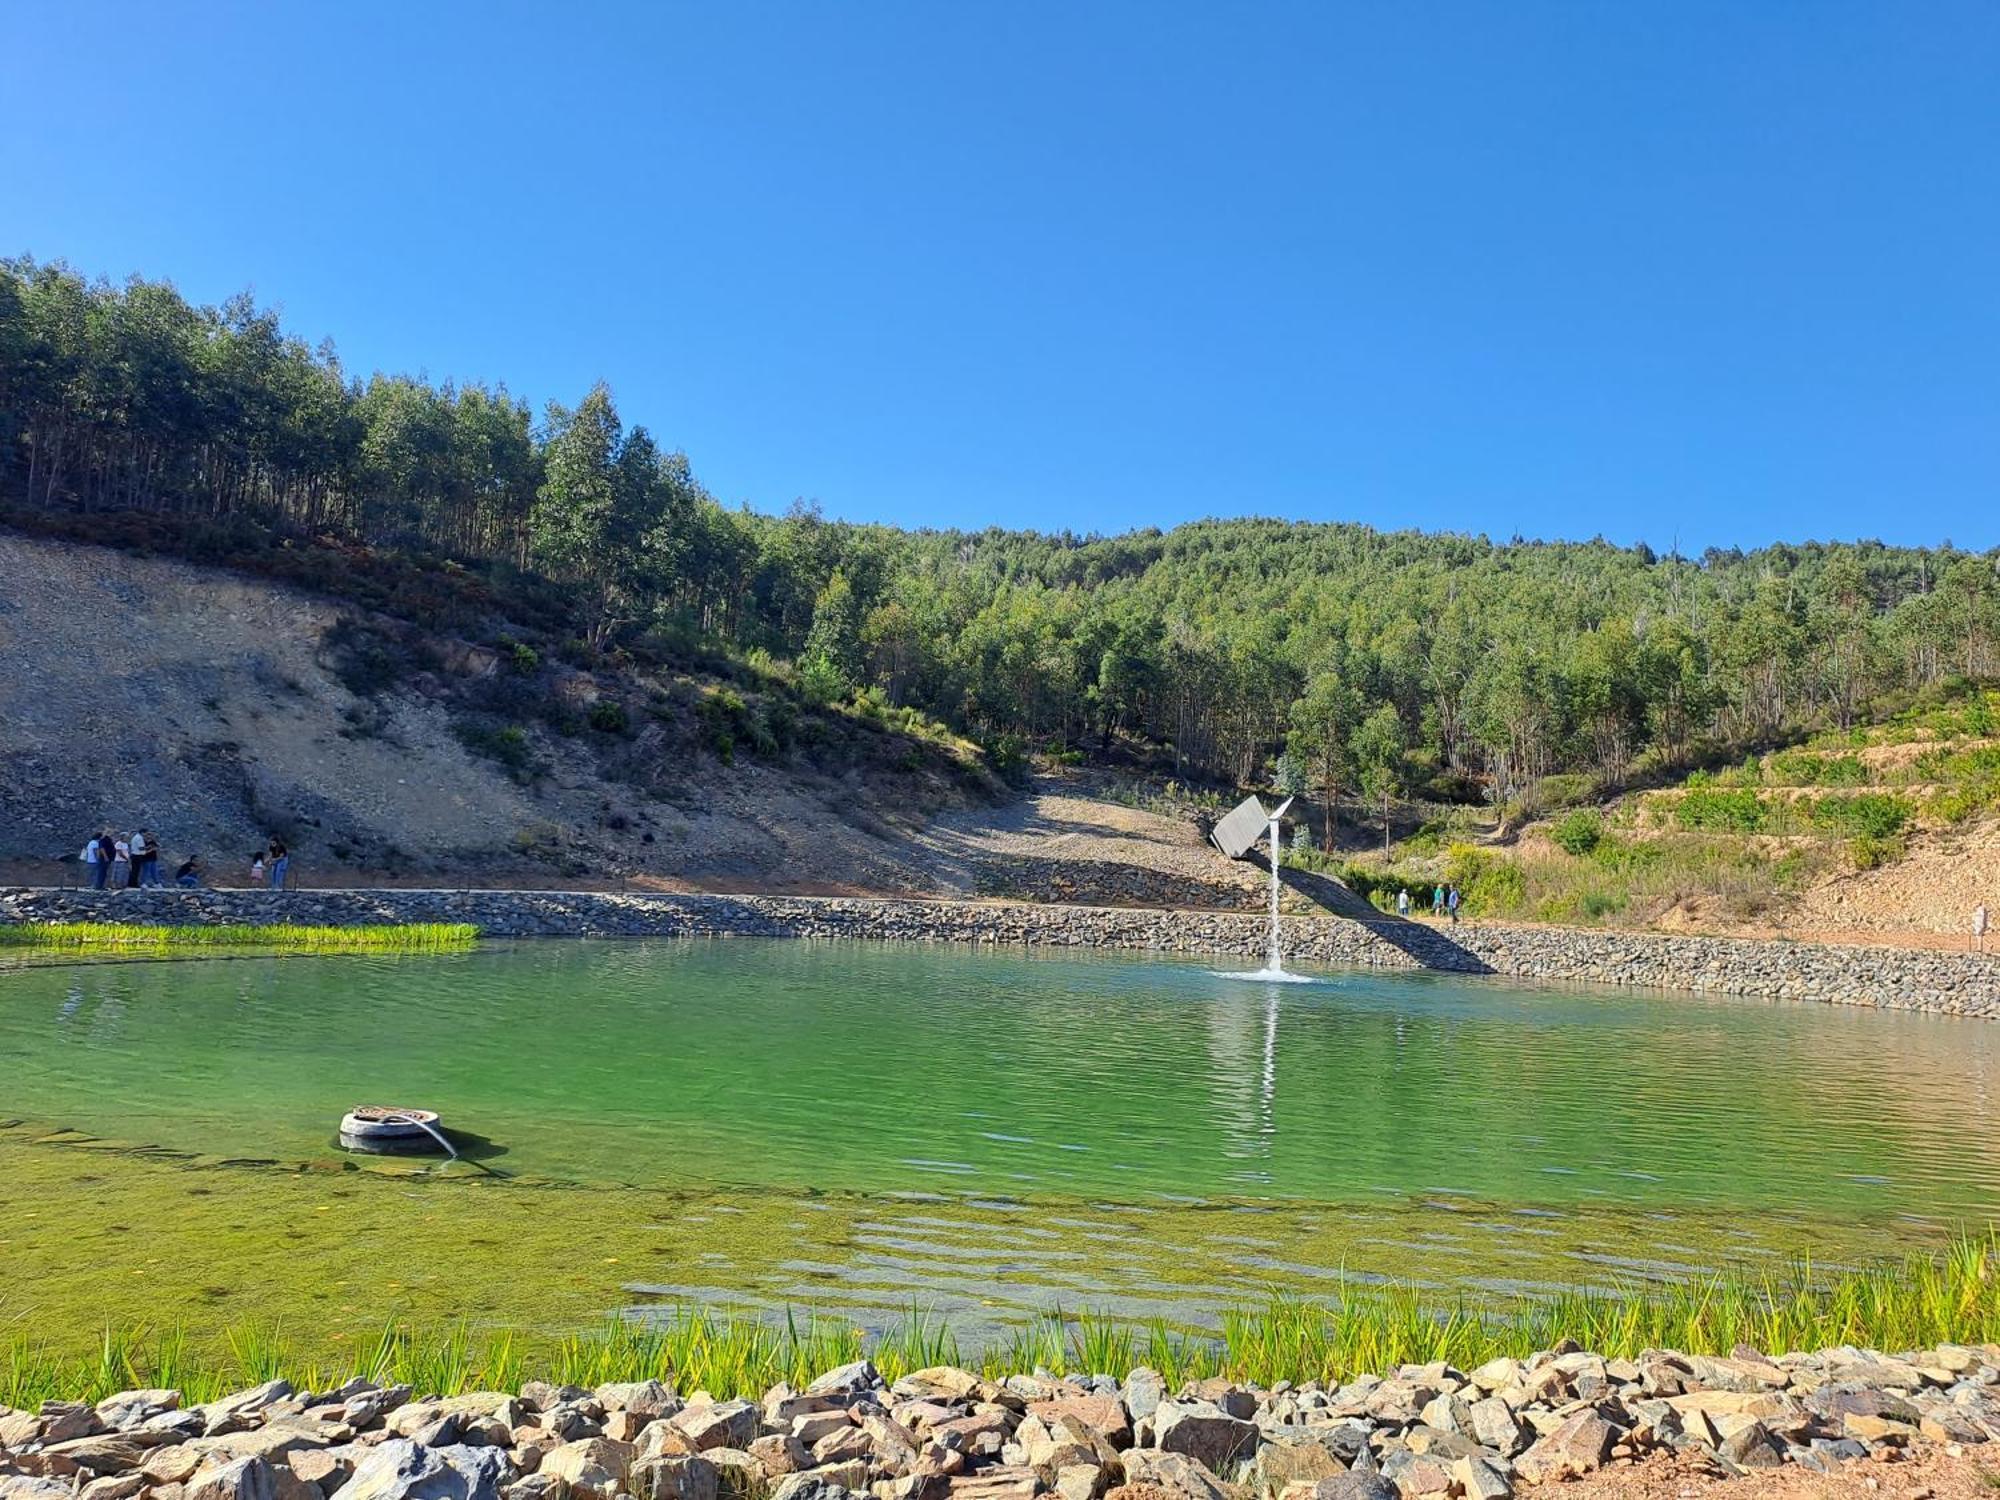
x=1235, y=836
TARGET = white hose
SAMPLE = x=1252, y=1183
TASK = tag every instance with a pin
x=399, y=1118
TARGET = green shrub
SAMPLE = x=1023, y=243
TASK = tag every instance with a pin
x=1868, y=852
x=1804, y=768
x=1871, y=815
x=1578, y=832
x=509, y=746
x=607, y=716
x=1624, y=855
x=726, y=721
x=1486, y=882
x=1568, y=790
x=1596, y=904
x=1706, y=810
x=1008, y=755
x=524, y=659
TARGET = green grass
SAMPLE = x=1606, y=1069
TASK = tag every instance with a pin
x=1914, y=1303
x=86, y=937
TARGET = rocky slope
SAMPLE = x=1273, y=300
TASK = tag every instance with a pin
x=946, y=1433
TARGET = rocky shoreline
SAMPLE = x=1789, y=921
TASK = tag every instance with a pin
x=1960, y=984
x=949, y=1434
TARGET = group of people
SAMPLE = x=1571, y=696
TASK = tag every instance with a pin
x=1444, y=902
x=131, y=861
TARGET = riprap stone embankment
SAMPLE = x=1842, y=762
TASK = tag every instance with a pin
x=1928, y=980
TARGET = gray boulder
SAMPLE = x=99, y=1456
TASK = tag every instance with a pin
x=401, y=1470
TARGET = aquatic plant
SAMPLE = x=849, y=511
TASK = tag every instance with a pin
x=287, y=937
x=1918, y=1302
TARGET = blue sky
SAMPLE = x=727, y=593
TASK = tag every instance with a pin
x=1725, y=273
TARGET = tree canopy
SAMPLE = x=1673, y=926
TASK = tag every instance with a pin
x=1379, y=660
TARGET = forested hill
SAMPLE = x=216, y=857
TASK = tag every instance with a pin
x=1390, y=661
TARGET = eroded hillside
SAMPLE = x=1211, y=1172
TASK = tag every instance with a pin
x=219, y=710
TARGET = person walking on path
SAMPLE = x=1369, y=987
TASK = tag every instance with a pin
x=1451, y=903
x=94, y=864
x=1403, y=902
x=1437, y=900
x=257, y=867
x=121, y=865
x=281, y=860
x=1979, y=925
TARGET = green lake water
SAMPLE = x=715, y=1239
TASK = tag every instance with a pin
x=856, y=1127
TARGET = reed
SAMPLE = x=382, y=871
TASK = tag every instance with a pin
x=1915, y=1303
x=282, y=937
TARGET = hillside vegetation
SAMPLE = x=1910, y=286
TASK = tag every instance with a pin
x=1881, y=828
x=1373, y=671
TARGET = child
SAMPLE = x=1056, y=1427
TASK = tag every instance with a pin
x=257, y=868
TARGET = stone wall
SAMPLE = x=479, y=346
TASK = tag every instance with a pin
x=1965, y=984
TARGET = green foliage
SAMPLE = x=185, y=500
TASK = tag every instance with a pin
x=1805, y=768
x=1520, y=673
x=1578, y=832
x=608, y=716
x=1712, y=810
x=1487, y=883
x=284, y=937
x=1867, y=851
x=1870, y=815
x=1290, y=776
x=507, y=744
x=1918, y=1302
x=1556, y=793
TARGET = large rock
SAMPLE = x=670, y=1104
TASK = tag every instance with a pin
x=1280, y=1463
x=1002, y=1482
x=846, y=1380
x=686, y=1476
x=725, y=1424
x=239, y=1479
x=594, y=1468
x=1578, y=1446
x=103, y=1452
x=400, y=1470
x=810, y=1486
x=239, y=1408
x=1103, y=1414
x=648, y=1398
x=1143, y=1391
x=1492, y=1424
x=1203, y=1432
x=130, y=1408
x=1353, y=1485
x=1178, y=1476
x=33, y=1487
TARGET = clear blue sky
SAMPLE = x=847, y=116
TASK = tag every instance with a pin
x=1722, y=271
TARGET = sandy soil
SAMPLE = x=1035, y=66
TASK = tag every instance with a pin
x=1926, y=1473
